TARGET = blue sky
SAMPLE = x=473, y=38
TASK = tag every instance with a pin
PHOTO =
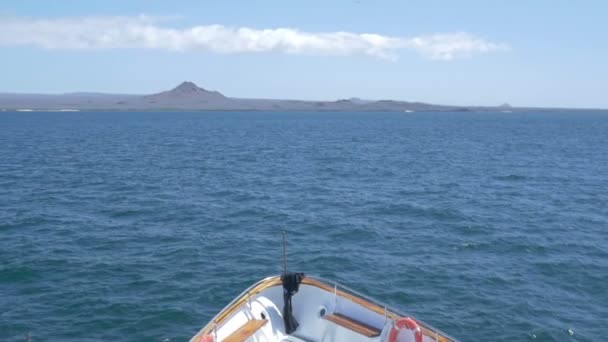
x=538, y=53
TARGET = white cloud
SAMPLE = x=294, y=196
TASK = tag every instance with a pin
x=451, y=45
x=146, y=32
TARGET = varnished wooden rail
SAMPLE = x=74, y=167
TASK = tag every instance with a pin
x=372, y=306
x=353, y=324
x=241, y=334
x=276, y=281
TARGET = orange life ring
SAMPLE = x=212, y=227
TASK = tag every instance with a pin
x=407, y=323
x=206, y=338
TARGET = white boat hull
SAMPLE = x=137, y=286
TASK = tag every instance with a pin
x=324, y=312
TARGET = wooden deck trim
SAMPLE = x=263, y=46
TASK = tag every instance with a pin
x=276, y=281
x=248, y=329
x=236, y=304
x=353, y=325
x=372, y=306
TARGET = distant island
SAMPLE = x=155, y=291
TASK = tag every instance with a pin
x=189, y=97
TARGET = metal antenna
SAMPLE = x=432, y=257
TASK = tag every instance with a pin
x=284, y=252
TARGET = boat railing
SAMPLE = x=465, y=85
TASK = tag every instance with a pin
x=233, y=306
x=340, y=291
x=388, y=310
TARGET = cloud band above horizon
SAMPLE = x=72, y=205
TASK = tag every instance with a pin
x=145, y=32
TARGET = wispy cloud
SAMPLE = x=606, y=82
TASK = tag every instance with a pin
x=145, y=32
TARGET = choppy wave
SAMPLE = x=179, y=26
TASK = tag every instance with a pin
x=141, y=226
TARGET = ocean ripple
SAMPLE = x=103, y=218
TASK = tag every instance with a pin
x=141, y=226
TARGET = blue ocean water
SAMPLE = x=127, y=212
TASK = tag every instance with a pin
x=141, y=226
